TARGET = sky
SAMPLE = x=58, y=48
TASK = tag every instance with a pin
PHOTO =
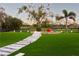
x=12, y=8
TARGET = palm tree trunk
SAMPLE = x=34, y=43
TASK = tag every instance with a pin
x=66, y=25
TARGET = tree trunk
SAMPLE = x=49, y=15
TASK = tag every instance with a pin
x=38, y=26
x=78, y=28
x=66, y=25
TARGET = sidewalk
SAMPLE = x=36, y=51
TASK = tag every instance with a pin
x=7, y=50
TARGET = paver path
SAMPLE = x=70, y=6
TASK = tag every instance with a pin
x=7, y=50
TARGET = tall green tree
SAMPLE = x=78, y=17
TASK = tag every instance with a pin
x=12, y=23
x=8, y=23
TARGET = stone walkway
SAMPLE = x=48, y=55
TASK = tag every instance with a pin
x=9, y=49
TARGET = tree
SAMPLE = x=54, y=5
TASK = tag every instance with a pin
x=12, y=23
x=67, y=15
x=16, y=23
x=39, y=14
x=2, y=17
x=8, y=23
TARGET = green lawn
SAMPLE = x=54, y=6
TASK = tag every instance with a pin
x=12, y=37
x=64, y=44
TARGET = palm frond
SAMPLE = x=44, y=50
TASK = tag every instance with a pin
x=72, y=14
x=59, y=17
x=65, y=13
x=72, y=18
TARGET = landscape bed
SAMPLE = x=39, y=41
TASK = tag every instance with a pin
x=63, y=44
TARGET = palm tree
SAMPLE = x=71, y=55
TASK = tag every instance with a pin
x=67, y=15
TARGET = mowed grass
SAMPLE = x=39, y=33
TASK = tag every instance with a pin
x=64, y=44
x=7, y=38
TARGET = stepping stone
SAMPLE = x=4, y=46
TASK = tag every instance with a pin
x=20, y=54
x=3, y=53
x=6, y=49
x=23, y=42
x=10, y=48
x=13, y=47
